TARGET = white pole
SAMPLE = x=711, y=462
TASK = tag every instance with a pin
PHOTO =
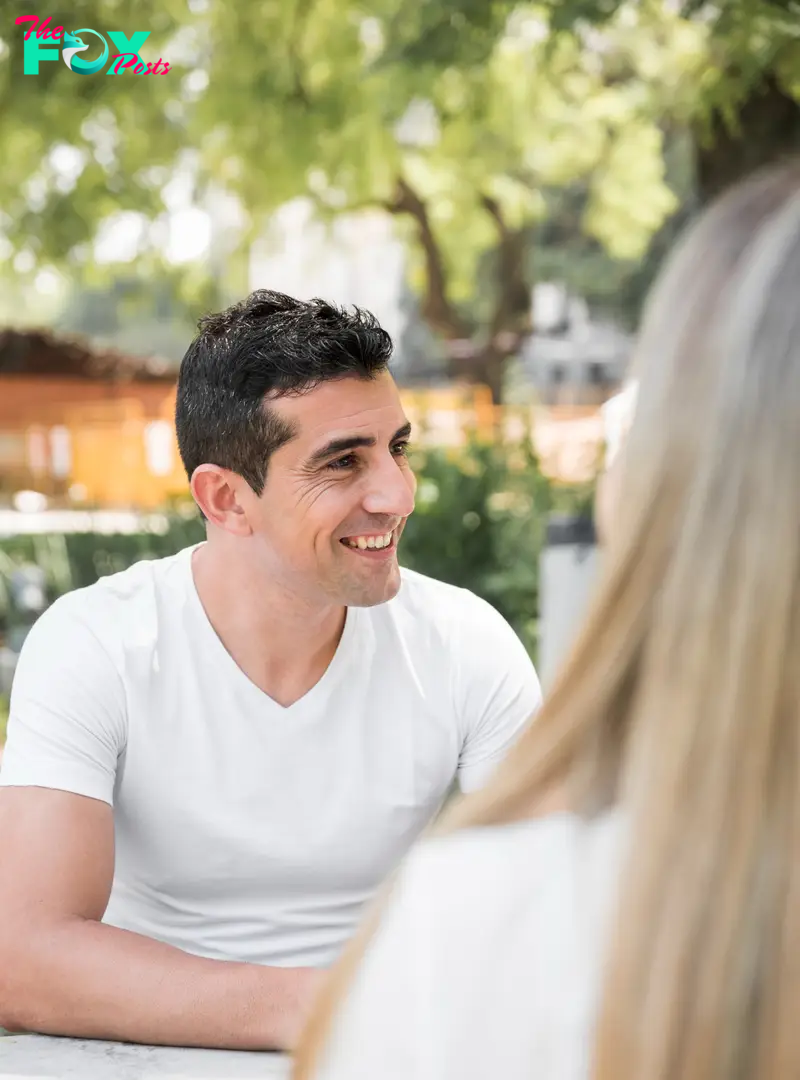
x=568, y=569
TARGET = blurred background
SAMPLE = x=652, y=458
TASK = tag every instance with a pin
x=497, y=181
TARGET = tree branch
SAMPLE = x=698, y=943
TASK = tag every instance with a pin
x=437, y=309
x=481, y=360
x=511, y=321
x=300, y=15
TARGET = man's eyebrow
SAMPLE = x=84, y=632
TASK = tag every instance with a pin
x=352, y=442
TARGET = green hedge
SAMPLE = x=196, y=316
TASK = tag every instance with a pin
x=479, y=523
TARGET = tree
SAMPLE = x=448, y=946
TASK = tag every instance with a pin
x=745, y=112
x=460, y=118
x=79, y=148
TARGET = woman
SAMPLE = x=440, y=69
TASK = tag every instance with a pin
x=623, y=902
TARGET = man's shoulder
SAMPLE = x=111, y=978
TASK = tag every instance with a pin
x=115, y=600
x=440, y=605
x=450, y=626
x=435, y=599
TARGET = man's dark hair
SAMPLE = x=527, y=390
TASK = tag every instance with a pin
x=269, y=344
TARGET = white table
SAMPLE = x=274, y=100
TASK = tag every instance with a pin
x=39, y=1057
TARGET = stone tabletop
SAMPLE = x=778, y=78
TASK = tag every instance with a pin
x=39, y=1057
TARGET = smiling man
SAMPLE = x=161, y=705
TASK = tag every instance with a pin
x=214, y=759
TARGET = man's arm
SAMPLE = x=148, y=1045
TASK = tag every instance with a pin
x=63, y=972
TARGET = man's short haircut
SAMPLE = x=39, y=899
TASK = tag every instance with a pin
x=267, y=346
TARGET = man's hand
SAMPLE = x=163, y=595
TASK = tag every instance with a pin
x=63, y=972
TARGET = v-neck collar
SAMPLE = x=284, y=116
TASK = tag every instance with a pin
x=322, y=687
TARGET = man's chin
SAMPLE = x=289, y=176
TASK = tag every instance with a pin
x=371, y=594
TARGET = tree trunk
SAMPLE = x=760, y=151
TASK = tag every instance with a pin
x=768, y=131
x=485, y=366
x=510, y=321
x=490, y=370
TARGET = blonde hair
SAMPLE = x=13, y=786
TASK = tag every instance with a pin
x=680, y=700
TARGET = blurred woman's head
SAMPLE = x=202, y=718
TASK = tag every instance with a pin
x=718, y=373
x=680, y=701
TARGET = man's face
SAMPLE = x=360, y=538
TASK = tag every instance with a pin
x=338, y=494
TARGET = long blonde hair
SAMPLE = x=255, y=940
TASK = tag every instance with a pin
x=680, y=700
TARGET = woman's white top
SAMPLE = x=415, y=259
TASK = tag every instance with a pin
x=488, y=960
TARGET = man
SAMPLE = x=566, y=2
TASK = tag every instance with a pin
x=215, y=758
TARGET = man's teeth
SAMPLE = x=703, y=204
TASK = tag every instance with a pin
x=365, y=542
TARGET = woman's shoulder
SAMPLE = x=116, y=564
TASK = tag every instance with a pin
x=486, y=956
x=476, y=898
x=501, y=860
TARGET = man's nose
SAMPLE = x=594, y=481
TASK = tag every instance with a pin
x=391, y=490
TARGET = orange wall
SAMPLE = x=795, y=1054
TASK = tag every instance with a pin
x=29, y=398
x=121, y=449
x=106, y=428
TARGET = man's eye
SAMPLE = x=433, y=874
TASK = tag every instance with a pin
x=346, y=462
x=400, y=449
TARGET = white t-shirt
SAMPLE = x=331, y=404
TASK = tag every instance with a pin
x=488, y=960
x=246, y=830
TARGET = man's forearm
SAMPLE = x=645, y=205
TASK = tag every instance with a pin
x=89, y=980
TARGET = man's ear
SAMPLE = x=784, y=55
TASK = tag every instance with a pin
x=217, y=493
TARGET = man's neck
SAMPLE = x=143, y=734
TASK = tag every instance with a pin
x=281, y=642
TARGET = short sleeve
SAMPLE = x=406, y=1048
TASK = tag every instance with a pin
x=497, y=690
x=67, y=712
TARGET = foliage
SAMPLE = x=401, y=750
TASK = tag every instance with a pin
x=115, y=131
x=3, y=725
x=74, y=560
x=459, y=118
x=746, y=38
x=560, y=250
x=479, y=523
x=743, y=107
x=465, y=119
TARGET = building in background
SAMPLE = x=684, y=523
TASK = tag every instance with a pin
x=572, y=359
x=85, y=426
x=90, y=426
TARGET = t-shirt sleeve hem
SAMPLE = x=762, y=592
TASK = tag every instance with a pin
x=474, y=776
x=74, y=781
